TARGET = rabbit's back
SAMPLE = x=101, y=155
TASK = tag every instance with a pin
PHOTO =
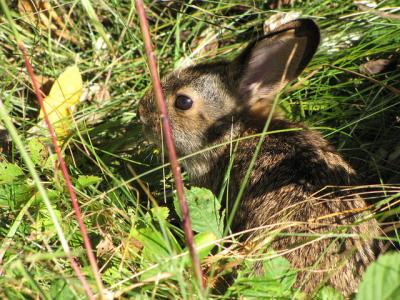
x=294, y=193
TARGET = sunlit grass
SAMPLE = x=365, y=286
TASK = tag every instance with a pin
x=359, y=116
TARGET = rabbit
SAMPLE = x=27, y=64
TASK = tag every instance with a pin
x=217, y=102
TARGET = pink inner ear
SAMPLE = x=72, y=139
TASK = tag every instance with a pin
x=269, y=63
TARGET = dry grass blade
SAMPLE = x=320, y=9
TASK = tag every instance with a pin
x=386, y=86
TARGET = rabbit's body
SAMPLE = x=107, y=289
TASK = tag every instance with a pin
x=282, y=197
x=215, y=103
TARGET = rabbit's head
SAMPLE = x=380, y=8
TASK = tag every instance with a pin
x=207, y=102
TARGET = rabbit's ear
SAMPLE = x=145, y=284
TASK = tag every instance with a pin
x=268, y=64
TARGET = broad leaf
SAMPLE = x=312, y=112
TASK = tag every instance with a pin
x=329, y=293
x=204, y=243
x=9, y=172
x=381, y=281
x=204, y=209
x=38, y=152
x=64, y=93
x=87, y=180
x=60, y=290
x=276, y=282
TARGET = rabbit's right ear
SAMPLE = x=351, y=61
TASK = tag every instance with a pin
x=268, y=64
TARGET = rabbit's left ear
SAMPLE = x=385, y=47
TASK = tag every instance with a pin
x=268, y=64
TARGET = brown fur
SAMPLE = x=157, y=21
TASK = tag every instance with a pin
x=291, y=169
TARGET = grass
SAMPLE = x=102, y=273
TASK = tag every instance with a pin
x=139, y=249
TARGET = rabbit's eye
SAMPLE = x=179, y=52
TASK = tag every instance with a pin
x=183, y=102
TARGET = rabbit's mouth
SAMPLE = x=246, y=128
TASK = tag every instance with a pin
x=151, y=136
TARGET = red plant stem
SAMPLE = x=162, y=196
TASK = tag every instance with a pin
x=187, y=227
x=71, y=191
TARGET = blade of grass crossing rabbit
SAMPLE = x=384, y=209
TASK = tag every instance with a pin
x=258, y=147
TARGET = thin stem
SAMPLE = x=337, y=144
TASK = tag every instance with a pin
x=169, y=140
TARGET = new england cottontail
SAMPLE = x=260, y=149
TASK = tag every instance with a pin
x=216, y=102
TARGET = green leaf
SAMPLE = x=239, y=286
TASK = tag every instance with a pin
x=155, y=250
x=276, y=282
x=38, y=152
x=204, y=210
x=203, y=242
x=280, y=270
x=87, y=180
x=329, y=293
x=9, y=172
x=13, y=195
x=53, y=197
x=44, y=225
x=60, y=290
x=159, y=214
x=157, y=243
x=154, y=246
x=381, y=281
x=50, y=162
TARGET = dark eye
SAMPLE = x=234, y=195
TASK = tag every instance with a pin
x=183, y=102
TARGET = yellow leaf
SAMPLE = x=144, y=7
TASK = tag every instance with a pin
x=64, y=93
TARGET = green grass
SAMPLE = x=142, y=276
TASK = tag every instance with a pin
x=134, y=243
